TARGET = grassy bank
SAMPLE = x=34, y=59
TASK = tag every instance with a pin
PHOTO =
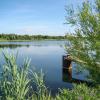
x=16, y=84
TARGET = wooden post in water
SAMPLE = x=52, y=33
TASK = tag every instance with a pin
x=67, y=62
x=67, y=68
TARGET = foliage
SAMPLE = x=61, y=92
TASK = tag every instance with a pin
x=14, y=82
x=42, y=92
x=16, y=85
x=10, y=37
x=85, y=43
x=80, y=92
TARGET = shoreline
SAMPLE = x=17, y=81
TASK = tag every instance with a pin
x=32, y=40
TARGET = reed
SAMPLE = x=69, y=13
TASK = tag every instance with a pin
x=14, y=81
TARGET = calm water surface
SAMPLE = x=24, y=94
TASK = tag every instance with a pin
x=45, y=55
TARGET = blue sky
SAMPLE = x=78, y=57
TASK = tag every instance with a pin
x=34, y=16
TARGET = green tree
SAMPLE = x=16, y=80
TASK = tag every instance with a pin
x=85, y=43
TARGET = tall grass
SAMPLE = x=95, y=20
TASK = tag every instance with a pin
x=15, y=84
x=41, y=92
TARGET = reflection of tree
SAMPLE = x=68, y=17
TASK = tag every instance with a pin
x=67, y=77
x=67, y=72
x=12, y=46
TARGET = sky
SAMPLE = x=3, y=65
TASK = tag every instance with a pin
x=45, y=17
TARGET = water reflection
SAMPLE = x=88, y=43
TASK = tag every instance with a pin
x=45, y=55
x=69, y=73
x=66, y=75
x=12, y=46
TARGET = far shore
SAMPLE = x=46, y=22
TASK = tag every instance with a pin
x=31, y=40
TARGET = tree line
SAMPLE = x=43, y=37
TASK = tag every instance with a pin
x=28, y=37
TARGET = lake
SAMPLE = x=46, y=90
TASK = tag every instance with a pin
x=46, y=55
